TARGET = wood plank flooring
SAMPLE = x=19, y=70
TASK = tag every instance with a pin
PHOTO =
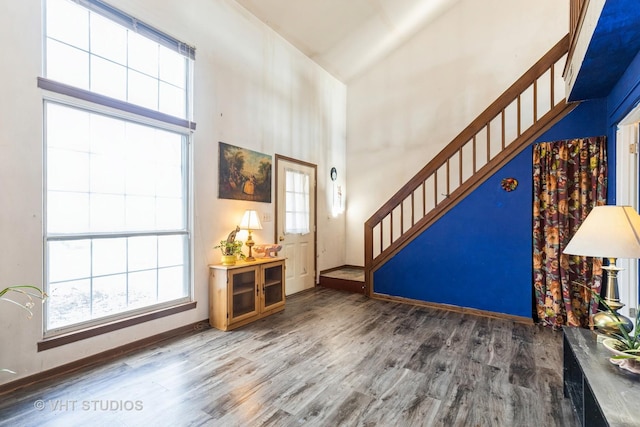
x=330, y=359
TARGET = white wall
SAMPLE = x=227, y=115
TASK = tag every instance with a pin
x=252, y=89
x=407, y=107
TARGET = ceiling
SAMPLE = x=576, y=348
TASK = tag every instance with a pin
x=345, y=37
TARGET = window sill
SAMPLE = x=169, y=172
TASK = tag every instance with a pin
x=49, y=343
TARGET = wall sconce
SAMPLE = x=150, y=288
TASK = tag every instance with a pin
x=336, y=204
x=250, y=222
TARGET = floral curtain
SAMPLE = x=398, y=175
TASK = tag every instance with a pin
x=569, y=179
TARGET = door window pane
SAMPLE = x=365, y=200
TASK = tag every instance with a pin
x=296, y=202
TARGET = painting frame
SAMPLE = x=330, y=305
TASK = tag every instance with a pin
x=244, y=174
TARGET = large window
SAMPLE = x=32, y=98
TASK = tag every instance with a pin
x=117, y=134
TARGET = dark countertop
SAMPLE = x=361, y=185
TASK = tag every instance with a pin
x=616, y=390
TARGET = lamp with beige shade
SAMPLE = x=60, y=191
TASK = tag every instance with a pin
x=609, y=232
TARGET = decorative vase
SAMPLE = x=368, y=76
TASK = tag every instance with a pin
x=228, y=259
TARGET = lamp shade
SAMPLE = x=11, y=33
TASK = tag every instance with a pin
x=608, y=232
x=250, y=220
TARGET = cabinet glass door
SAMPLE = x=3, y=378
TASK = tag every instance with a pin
x=273, y=286
x=243, y=292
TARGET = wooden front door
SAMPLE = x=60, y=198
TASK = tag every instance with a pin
x=296, y=221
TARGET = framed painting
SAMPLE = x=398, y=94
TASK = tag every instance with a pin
x=244, y=174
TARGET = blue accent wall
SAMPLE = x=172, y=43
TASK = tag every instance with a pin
x=478, y=255
x=613, y=45
x=625, y=95
x=587, y=119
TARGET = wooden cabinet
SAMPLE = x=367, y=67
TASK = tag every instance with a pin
x=245, y=292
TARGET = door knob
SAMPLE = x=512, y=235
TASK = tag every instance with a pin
x=281, y=239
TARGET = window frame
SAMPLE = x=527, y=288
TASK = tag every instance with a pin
x=187, y=212
x=94, y=103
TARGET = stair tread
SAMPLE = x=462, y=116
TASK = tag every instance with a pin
x=346, y=273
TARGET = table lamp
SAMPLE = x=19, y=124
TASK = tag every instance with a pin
x=250, y=222
x=609, y=232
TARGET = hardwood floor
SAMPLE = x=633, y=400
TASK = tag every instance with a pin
x=330, y=359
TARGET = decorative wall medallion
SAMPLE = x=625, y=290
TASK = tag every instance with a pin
x=509, y=184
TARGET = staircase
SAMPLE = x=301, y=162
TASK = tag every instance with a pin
x=532, y=105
